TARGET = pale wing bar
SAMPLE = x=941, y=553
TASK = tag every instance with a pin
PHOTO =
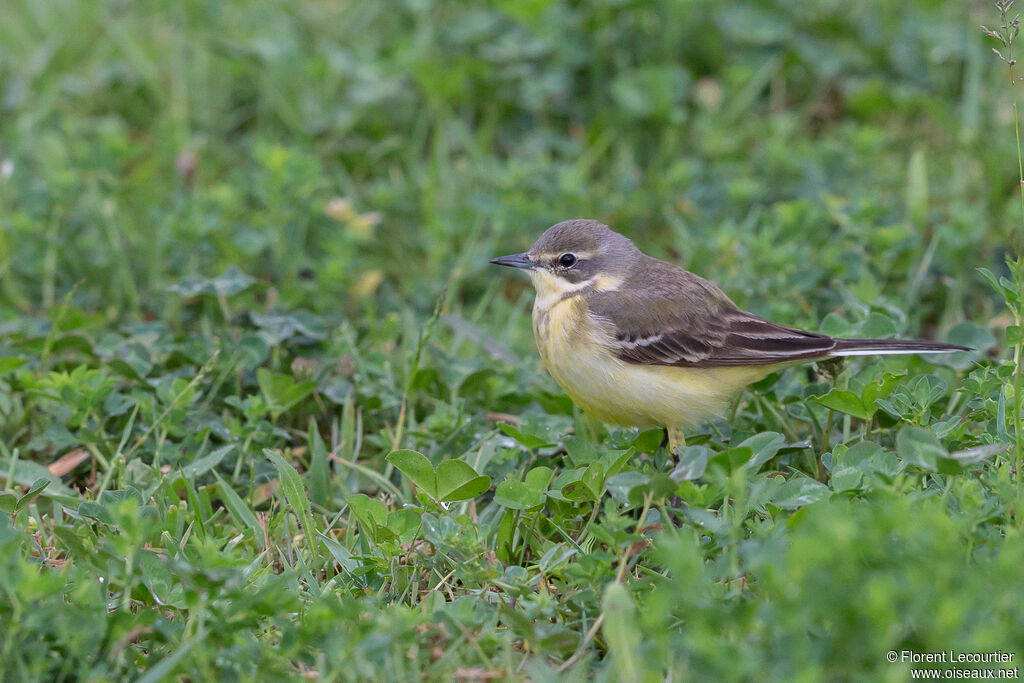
x=731, y=341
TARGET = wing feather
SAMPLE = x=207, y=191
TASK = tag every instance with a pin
x=679, y=319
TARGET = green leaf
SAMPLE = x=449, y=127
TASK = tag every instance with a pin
x=295, y=495
x=844, y=402
x=693, y=462
x=1014, y=334
x=319, y=468
x=658, y=485
x=370, y=511
x=764, y=446
x=281, y=392
x=527, y=494
x=33, y=492
x=404, y=524
x=621, y=485
x=8, y=501
x=530, y=441
x=457, y=480
x=26, y=472
x=416, y=466
x=97, y=512
x=990, y=278
x=340, y=553
x=800, y=491
x=917, y=188
x=237, y=508
x=919, y=446
x=732, y=459
x=471, y=489
x=581, y=451
x=860, y=453
x=556, y=555
x=622, y=632
x=538, y=478
x=453, y=480
x=9, y=364
x=846, y=479
x=588, y=487
x=517, y=495
x=206, y=463
x=291, y=482
x=880, y=389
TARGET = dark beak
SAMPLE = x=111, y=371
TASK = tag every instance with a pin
x=515, y=261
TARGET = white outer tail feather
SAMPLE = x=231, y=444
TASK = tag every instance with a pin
x=889, y=352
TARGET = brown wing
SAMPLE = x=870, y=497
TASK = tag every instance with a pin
x=676, y=318
x=746, y=340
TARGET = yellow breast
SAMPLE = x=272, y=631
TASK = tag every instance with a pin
x=576, y=350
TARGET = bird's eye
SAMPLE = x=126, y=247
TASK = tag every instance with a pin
x=567, y=260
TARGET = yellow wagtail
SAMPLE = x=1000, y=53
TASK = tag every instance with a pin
x=637, y=341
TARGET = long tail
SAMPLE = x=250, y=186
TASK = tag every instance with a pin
x=876, y=347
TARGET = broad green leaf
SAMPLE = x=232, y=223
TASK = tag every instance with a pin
x=517, y=495
x=588, y=487
x=692, y=463
x=281, y=392
x=530, y=441
x=658, y=485
x=615, y=461
x=880, y=389
x=416, y=466
x=764, y=446
x=581, y=451
x=7, y=501
x=593, y=479
x=620, y=485
x=370, y=511
x=846, y=479
x=732, y=459
x=404, y=524
x=860, y=453
x=919, y=446
x=844, y=402
x=471, y=489
x=97, y=512
x=453, y=480
x=648, y=441
x=800, y=491
x=538, y=478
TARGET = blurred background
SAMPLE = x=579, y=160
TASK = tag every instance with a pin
x=243, y=259
x=355, y=158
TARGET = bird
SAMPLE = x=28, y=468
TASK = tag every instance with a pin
x=637, y=341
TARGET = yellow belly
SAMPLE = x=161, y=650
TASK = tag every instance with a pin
x=575, y=352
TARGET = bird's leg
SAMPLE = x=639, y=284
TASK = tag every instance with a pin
x=676, y=441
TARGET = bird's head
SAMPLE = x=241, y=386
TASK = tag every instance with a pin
x=574, y=254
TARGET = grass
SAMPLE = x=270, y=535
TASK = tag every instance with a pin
x=267, y=413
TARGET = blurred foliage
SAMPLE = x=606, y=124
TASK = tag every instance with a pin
x=266, y=412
